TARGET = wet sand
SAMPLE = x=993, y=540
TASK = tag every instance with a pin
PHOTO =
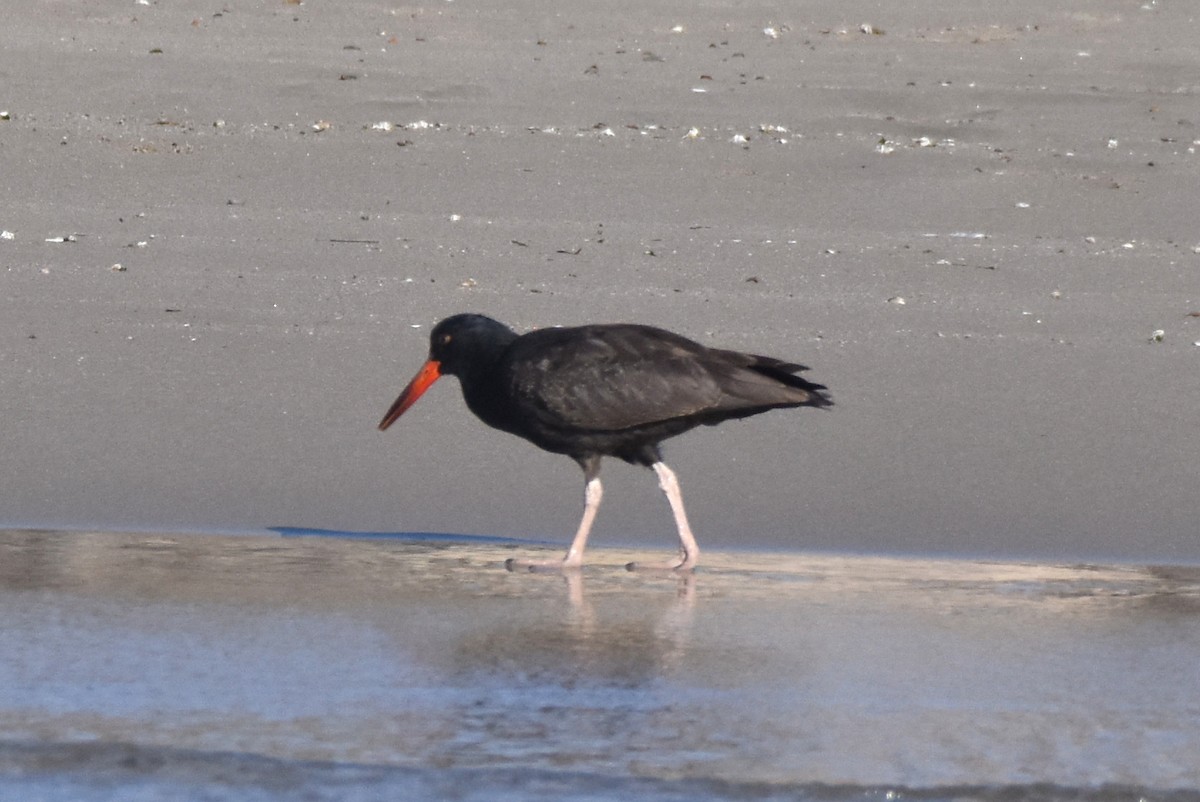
x=268, y=667
x=231, y=228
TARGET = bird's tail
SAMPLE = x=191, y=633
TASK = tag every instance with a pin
x=785, y=373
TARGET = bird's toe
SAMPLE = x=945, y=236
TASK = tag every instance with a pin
x=540, y=566
x=681, y=566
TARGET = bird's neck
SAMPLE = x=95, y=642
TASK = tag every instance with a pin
x=486, y=390
x=477, y=359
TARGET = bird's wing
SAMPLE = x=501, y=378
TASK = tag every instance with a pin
x=609, y=378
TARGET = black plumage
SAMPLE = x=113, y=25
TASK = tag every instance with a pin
x=604, y=390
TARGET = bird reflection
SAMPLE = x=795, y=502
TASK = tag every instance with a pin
x=600, y=637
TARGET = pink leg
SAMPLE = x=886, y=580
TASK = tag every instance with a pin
x=593, y=492
x=689, y=551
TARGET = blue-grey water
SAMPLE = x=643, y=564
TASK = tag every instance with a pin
x=197, y=667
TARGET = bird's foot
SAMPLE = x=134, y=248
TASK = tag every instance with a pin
x=684, y=565
x=542, y=566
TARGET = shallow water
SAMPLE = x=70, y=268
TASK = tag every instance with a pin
x=140, y=666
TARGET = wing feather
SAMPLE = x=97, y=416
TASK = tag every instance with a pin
x=617, y=377
x=611, y=378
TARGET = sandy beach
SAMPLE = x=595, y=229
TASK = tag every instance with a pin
x=227, y=232
x=295, y=193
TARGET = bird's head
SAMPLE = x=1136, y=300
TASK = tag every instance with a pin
x=457, y=345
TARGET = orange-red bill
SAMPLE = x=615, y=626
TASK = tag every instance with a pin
x=426, y=376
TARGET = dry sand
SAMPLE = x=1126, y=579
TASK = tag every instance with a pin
x=1023, y=175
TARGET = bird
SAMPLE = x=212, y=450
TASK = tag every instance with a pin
x=603, y=390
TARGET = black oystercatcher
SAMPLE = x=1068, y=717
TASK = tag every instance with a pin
x=603, y=391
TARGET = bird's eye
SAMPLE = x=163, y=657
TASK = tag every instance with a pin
x=446, y=338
